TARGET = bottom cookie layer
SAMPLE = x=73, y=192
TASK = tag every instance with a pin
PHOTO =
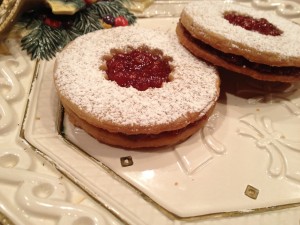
x=141, y=140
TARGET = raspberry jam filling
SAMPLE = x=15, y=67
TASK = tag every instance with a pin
x=141, y=68
x=261, y=25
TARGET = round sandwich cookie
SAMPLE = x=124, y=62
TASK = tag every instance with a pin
x=135, y=88
x=259, y=44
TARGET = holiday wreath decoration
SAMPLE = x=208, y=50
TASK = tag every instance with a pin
x=50, y=28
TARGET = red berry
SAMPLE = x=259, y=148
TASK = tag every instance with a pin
x=121, y=21
x=52, y=23
x=89, y=2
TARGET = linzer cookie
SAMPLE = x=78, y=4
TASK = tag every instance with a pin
x=134, y=87
x=241, y=39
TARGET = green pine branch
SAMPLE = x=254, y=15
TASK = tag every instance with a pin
x=114, y=8
x=83, y=23
x=44, y=41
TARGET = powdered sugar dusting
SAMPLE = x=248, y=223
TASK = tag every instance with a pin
x=209, y=15
x=79, y=79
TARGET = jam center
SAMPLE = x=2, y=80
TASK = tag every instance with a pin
x=141, y=68
x=261, y=25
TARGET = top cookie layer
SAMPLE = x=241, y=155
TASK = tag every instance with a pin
x=205, y=21
x=103, y=103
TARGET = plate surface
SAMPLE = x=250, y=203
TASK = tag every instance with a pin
x=245, y=159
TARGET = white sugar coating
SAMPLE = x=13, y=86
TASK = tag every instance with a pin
x=209, y=15
x=79, y=79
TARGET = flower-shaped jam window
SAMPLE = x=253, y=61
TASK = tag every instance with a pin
x=141, y=67
x=261, y=25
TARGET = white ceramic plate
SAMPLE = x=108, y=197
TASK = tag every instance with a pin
x=245, y=159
